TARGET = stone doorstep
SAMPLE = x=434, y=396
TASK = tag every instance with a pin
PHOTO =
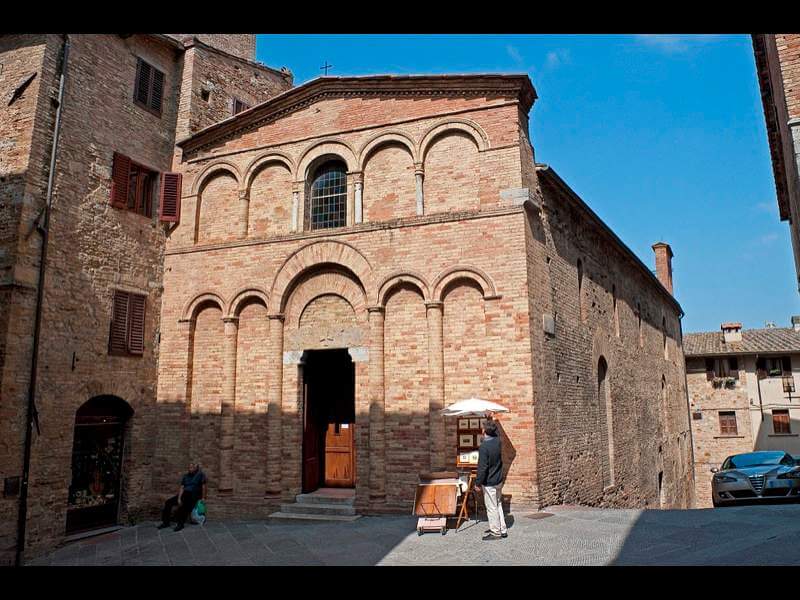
x=327, y=496
x=89, y=534
x=318, y=508
x=283, y=516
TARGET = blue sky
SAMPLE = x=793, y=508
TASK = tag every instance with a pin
x=663, y=136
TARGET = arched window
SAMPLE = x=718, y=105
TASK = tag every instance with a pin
x=327, y=205
x=615, y=312
x=664, y=337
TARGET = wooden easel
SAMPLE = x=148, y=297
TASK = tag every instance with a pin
x=463, y=514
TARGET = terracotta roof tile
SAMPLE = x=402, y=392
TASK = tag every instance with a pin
x=762, y=341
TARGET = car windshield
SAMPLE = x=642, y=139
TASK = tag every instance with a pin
x=755, y=459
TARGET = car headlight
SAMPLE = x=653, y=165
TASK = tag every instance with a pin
x=793, y=474
x=724, y=479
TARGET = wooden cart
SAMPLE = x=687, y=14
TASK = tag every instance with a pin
x=435, y=500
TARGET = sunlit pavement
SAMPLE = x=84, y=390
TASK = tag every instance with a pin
x=563, y=535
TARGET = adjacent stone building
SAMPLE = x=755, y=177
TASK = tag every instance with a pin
x=125, y=101
x=742, y=395
x=778, y=68
x=289, y=283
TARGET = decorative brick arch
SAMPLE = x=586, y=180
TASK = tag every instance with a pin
x=463, y=272
x=325, y=147
x=211, y=170
x=394, y=136
x=401, y=278
x=471, y=128
x=190, y=308
x=240, y=299
x=314, y=255
x=325, y=283
x=261, y=161
x=601, y=349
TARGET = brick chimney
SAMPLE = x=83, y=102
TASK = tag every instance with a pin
x=731, y=332
x=796, y=322
x=664, y=264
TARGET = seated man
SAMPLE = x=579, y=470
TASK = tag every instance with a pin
x=193, y=488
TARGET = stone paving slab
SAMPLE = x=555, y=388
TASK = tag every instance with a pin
x=749, y=535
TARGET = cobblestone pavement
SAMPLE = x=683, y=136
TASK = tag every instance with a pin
x=750, y=535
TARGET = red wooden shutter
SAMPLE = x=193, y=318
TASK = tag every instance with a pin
x=144, y=77
x=120, y=177
x=170, y=201
x=118, y=340
x=157, y=91
x=136, y=337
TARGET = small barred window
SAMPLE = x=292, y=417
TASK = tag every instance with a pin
x=328, y=203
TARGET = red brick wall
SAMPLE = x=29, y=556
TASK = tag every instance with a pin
x=270, y=206
x=389, y=189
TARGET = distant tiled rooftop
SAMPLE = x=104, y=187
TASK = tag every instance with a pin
x=769, y=340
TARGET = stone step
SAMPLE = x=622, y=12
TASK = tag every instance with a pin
x=289, y=517
x=318, y=508
x=317, y=498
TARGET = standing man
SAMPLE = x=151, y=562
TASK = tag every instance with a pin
x=193, y=488
x=490, y=478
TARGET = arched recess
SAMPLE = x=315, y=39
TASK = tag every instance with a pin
x=260, y=162
x=191, y=308
x=214, y=169
x=465, y=126
x=326, y=308
x=605, y=424
x=389, y=181
x=394, y=136
x=444, y=279
x=322, y=149
x=315, y=255
x=244, y=297
x=217, y=212
x=98, y=489
x=402, y=278
x=269, y=193
x=452, y=163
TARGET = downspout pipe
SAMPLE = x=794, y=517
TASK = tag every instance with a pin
x=32, y=413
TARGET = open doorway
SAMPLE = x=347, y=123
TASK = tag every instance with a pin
x=328, y=420
x=97, y=458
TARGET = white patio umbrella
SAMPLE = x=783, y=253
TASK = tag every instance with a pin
x=474, y=407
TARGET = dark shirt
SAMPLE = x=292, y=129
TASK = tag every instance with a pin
x=490, y=463
x=193, y=482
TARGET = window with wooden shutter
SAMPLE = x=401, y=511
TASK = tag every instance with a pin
x=727, y=423
x=148, y=90
x=780, y=422
x=709, y=369
x=120, y=180
x=170, y=201
x=761, y=368
x=127, y=323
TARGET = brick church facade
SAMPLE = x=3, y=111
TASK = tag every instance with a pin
x=344, y=259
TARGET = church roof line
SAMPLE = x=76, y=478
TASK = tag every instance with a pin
x=471, y=84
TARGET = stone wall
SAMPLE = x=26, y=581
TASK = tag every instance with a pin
x=649, y=423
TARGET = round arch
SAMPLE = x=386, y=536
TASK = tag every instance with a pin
x=190, y=309
x=464, y=272
x=247, y=295
x=314, y=255
x=262, y=161
x=212, y=170
x=319, y=149
x=396, y=279
x=472, y=129
x=387, y=137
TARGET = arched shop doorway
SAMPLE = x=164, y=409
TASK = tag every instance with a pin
x=97, y=460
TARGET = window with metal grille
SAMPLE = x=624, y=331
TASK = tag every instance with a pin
x=239, y=106
x=148, y=90
x=727, y=423
x=780, y=421
x=127, y=324
x=328, y=196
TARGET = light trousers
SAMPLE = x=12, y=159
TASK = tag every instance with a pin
x=494, y=508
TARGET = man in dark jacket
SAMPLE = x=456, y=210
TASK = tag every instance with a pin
x=193, y=488
x=490, y=478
